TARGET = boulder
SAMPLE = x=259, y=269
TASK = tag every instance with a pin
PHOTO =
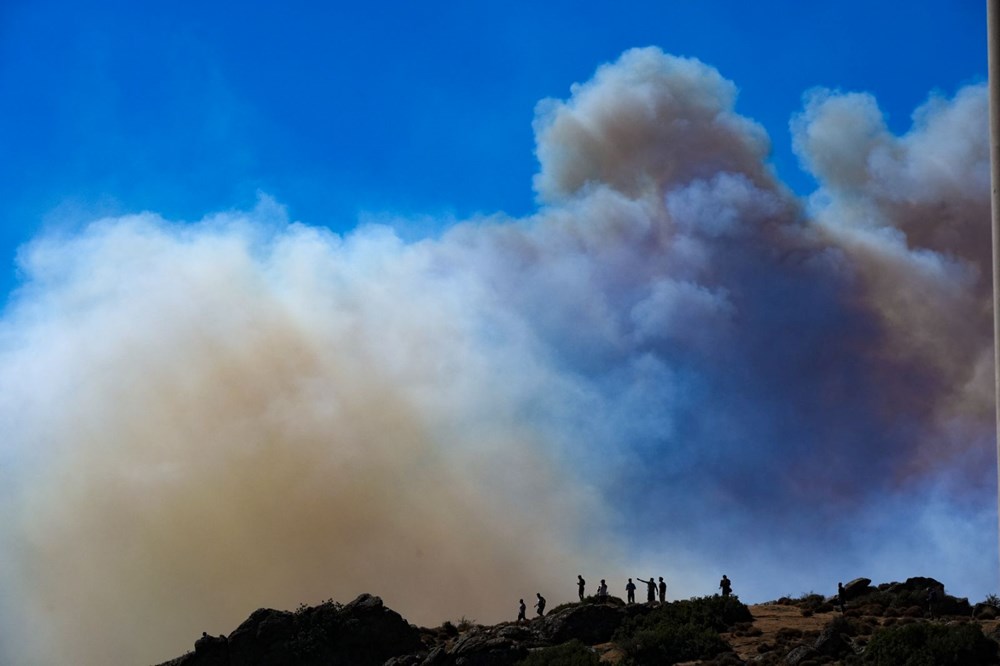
x=588, y=623
x=406, y=660
x=484, y=647
x=949, y=605
x=368, y=632
x=834, y=641
x=913, y=593
x=262, y=637
x=857, y=588
x=437, y=657
x=800, y=654
x=983, y=611
x=918, y=584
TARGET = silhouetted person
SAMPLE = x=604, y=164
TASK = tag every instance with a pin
x=726, y=586
x=540, y=604
x=630, y=591
x=602, y=590
x=932, y=596
x=840, y=597
x=521, y=611
x=650, y=590
x=580, y=584
x=663, y=591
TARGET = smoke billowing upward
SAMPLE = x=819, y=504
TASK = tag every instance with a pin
x=674, y=363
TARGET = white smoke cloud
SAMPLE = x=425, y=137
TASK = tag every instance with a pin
x=226, y=418
x=644, y=123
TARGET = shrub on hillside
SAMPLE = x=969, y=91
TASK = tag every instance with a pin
x=573, y=653
x=893, y=600
x=672, y=643
x=465, y=624
x=898, y=602
x=681, y=630
x=930, y=644
x=716, y=613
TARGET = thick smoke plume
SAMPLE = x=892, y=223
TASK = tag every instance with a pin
x=674, y=367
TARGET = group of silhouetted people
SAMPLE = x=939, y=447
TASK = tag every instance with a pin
x=651, y=590
x=654, y=590
x=539, y=606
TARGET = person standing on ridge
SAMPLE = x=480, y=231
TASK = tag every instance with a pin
x=726, y=586
x=663, y=591
x=540, y=604
x=932, y=597
x=580, y=584
x=521, y=611
x=650, y=589
x=630, y=591
x=602, y=590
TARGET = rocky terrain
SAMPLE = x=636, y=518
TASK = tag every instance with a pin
x=887, y=624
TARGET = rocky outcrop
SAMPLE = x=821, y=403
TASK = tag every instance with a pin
x=857, y=588
x=835, y=639
x=491, y=646
x=504, y=644
x=800, y=654
x=365, y=632
x=587, y=623
x=361, y=633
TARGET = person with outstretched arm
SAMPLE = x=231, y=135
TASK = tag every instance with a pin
x=650, y=589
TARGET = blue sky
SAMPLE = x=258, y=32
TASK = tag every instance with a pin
x=402, y=107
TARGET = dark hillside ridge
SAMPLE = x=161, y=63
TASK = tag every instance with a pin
x=708, y=630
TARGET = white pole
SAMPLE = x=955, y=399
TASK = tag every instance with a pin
x=993, y=36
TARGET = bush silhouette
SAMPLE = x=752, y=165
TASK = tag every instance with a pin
x=672, y=643
x=681, y=630
x=923, y=643
x=898, y=602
